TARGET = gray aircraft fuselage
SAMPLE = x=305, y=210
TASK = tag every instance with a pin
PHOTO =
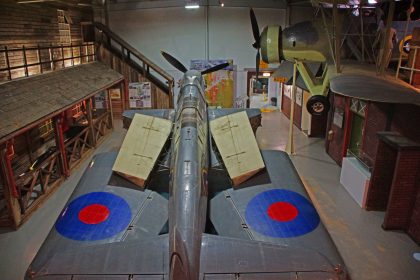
x=188, y=185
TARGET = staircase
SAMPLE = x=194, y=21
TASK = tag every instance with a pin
x=122, y=57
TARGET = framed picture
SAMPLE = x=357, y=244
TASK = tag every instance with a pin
x=115, y=93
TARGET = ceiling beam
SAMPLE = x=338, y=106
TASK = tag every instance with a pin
x=121, y=5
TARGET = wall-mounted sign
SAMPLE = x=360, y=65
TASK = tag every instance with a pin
x=338, y=117
x=287, y=90
x=100, y=100
x=140, y=95
x=115, y=93
x=280, y=79
x=299, y=96
x=263, y=65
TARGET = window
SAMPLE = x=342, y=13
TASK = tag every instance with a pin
x=358, y=106
x=46, y=128
x=64, y=22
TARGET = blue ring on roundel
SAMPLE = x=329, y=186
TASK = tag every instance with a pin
x=69, y=225
x=258, y=219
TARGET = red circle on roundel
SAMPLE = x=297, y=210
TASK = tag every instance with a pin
x=282, y=211
x=94, y=214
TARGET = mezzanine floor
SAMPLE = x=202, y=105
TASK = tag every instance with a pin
x=370, y=253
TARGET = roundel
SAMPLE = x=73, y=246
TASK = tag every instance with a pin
x=94, y=216
x=405, y=45
x=281, y=213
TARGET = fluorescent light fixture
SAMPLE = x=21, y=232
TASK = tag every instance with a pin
x=372, y=1
x=33, y=1
x=192, y=6
x=266, y=74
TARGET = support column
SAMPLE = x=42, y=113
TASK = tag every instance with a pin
x=59, y=142
x=111, y=116
x=289, y=146
x=92, y=139
x=10, y=191
x=126, y=95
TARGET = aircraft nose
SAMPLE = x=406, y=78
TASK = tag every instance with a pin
x=271, y=44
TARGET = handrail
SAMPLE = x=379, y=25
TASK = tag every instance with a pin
x=88, y=53
x=133, y=51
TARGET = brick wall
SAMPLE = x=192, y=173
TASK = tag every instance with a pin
x=404, y=190
x=318, y=125
x=414, y=227
x=406, y=120
x=381, y=178
x=335, y=145
x=376, y=120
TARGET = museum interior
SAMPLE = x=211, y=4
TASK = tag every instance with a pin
x=210, y=139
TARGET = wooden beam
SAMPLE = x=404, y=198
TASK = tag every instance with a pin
x=386, y=38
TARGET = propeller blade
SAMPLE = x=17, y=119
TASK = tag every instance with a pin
x=257, y=64
x=174, y=62
x=255, y=29
x=215, y=68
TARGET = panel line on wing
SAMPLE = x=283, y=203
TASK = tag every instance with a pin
x=141, y=148
x=236, y=143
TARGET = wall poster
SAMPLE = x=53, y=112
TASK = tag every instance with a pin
x=115, y=93
x=140, y=95
x=299, y=96
x=287, y=91
x=100, y=100
x=219, y=85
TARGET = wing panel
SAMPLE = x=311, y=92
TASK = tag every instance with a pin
x=141, y=147
x=97, y=277
x=246, y=257
x=252, y=276
x=148, y=257
x=237, y=145
x=249, y=211
x=54, y=277
x=148, y=277
x=150, y=219
x=143, y=223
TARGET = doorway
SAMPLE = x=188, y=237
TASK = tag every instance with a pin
x=356, y=136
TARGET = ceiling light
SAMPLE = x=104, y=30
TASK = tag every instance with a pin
x=221, y=3
x=33, y=1
x=266, y=74
x=372, y=1
x=190, y=4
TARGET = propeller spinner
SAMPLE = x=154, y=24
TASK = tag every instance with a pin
x=268, y=43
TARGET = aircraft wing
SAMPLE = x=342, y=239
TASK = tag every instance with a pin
x=272, y=207
x=232, y=258
x=107, y=222
x=375, y=88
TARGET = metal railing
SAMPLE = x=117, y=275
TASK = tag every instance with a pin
x=77, y=147
x=362, y=159
x=412, y=68
x=135, y=59
x=47, y=58
x=38, y=182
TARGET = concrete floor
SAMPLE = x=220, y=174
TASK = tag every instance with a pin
x=369, y=252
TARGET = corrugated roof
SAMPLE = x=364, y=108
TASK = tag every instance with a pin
x=24, y=102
